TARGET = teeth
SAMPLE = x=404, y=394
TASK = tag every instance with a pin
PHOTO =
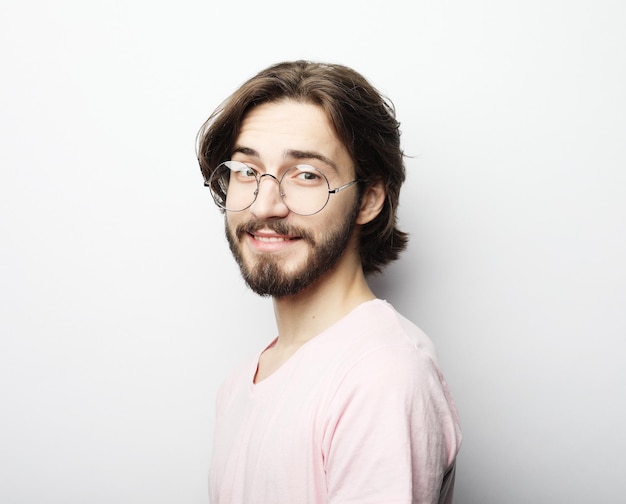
x=270, y=239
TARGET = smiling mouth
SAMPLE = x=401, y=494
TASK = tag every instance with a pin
x=273, y=233
x=272, y=239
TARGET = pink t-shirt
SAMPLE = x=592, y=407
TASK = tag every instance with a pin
x=360, y=414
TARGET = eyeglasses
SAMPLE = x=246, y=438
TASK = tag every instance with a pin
x=304, y=189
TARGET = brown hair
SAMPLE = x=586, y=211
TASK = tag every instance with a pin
x=364, y=122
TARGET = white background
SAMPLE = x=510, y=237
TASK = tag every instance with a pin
x=121, y=309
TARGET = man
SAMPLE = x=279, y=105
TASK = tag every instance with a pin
x=347, y=404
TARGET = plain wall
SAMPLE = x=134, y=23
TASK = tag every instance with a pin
x=121, y=309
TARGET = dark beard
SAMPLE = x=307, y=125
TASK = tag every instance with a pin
x=266, y=277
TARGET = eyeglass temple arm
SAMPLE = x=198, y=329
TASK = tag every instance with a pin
x=345, y=186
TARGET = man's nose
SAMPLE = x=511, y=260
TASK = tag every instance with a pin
x=269, y=203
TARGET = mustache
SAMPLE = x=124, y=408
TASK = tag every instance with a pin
x=279, y=227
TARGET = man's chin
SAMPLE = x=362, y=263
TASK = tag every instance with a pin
x=282, y=275
x=270, y=279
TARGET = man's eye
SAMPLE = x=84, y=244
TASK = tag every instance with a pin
x=312, y=176
x=243, y=171
x=243, y=174
x=303, y=174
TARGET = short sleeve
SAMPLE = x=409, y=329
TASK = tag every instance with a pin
x=392, y=433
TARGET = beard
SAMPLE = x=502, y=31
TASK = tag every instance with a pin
x=267, y=276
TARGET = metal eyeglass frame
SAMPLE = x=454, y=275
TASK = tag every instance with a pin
x=217, y=198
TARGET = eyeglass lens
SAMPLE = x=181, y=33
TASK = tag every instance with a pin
x=303, y=188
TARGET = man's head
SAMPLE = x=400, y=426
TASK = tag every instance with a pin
x=361, y=119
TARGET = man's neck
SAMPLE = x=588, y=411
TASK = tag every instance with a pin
x=303, y=316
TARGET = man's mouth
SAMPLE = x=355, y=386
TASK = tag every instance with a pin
x=272, y=239
x=272, y=233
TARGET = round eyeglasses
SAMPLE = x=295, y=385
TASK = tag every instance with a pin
x=304, y=189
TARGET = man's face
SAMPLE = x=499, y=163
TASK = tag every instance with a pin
x=281, y=253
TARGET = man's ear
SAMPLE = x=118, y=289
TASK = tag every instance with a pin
x=372, y=202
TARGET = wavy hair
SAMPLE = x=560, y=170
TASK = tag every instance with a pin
x=363, y=120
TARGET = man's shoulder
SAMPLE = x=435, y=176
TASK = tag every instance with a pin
x=376, y=325
x=387, y=358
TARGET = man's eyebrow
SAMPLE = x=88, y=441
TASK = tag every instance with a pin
x=298, y=154
x=245, y=150
x=289, y=154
